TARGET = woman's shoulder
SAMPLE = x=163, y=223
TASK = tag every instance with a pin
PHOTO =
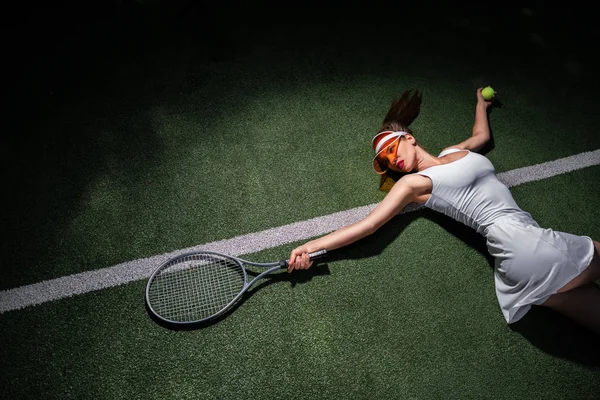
x=416, y=182
x=419, y=186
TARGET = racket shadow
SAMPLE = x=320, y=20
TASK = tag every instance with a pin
x=295, y=278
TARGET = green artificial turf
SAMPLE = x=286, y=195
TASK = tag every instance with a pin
x=382, y=318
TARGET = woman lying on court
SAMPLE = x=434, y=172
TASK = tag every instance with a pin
x=533, y=266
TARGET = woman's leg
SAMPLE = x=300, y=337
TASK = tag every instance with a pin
x=580, y=298
x=581, y=304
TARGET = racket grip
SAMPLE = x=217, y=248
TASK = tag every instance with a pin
x=317, y=254
x=313, y=256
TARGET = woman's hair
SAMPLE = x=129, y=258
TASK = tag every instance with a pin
x=402, y=112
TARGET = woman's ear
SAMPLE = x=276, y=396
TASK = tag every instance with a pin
x=411, y=139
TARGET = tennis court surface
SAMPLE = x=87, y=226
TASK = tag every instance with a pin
x=148, y=129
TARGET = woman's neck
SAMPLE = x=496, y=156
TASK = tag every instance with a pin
x=425, y=160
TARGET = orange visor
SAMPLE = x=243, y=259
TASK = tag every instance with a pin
x=381, y=144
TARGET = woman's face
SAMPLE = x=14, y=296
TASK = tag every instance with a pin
x=400, y=155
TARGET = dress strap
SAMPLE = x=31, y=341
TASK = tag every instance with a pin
x=450, y=151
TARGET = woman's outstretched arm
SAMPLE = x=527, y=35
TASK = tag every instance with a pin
x=404, y=192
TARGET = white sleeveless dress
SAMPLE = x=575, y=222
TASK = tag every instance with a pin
x=531, y=263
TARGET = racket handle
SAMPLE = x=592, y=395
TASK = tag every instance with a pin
x=313, y=256
x=317, y=254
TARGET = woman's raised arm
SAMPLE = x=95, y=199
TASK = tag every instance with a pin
x=481, y=127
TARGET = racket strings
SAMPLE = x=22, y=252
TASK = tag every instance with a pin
x=195, y=287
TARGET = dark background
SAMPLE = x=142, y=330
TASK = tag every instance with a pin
x=100, y=60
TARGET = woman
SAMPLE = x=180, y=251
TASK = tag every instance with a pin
x=533, y=266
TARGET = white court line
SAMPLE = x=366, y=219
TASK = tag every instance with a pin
x=54, y=289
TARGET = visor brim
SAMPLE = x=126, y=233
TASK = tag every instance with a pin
x=378, y=168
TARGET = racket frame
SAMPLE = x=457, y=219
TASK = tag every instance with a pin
x=273, y=266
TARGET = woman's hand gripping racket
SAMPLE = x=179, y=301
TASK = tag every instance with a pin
x=197, y=287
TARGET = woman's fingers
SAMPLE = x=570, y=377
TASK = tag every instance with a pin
x=292, y=260
x=295, y=261
x=305, y=263
x=299, y=261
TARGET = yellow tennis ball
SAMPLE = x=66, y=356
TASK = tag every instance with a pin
x=488, y=93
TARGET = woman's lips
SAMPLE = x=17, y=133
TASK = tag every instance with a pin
x=400, y=164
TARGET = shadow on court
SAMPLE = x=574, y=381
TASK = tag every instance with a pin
x=547, y=330
x=555, y=334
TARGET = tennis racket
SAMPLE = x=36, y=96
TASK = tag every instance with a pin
x=200, y=286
